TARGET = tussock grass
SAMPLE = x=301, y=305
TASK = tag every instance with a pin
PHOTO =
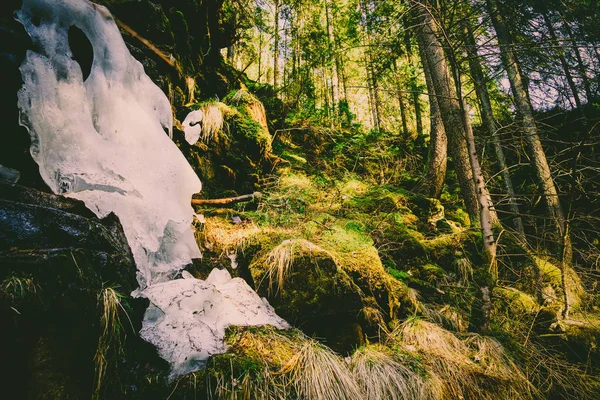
x=382, y=376
x=269, y=364
x=477, y=367
x=190, y=84
x=110, y=343
x=15, y=289
x=551, y=275
x=253, y=106
x=317, y=373
x=548, y=370
x=280, y=260
x=212, y=121
x=492, y=357
x=220, y=235
x=432, y=339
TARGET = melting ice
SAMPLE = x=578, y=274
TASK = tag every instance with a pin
x=103, y=141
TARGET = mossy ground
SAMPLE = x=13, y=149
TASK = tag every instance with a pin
x=348, y=256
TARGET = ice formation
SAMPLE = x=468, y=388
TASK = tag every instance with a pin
x=103, y=141
x=192, y=126
x=187, y=304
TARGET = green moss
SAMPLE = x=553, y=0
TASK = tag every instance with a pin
x=378, y=200
x=400, y=275
x=293, y=157
x=519, y=301
x=460, y=216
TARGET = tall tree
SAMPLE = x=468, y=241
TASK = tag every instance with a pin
x=563, y=60
x=489, y=123
x=457, y=127
x=532, y=139
x=276, y=43
x=437, y=161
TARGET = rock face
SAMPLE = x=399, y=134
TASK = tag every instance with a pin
x=55, y=258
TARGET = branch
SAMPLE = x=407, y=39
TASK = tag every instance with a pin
x=225, y=201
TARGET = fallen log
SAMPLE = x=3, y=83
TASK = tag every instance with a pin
x=225, y=201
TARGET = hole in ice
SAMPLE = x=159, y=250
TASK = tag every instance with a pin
x=82, y=50
x=36, y=20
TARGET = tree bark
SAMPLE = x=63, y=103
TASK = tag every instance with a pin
x=462, y=146
x=449, y=107
x=335, y=87
x=489, y=123
x=437, y=161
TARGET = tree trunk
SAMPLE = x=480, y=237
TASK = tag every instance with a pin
x=413, y=85
x=563, y=61
x=580, y=64
x=462, y=145
x=371, y=79
x=532, y=139
x=489, y=123
x=449, y=107
x=437, y=161
x=276, y=45
x=259, y=55
x=335, y=89
x=401, y=101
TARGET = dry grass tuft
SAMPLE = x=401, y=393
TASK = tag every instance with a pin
x=432, y=339
x=220, y=235
x=279, y=261
x=268, y=364
x=15, y=289
x=492, y=357
x=190, y=84
x=212, y=122
x=551, y=274
x=382, y=376
x=477, y=367
x=253, y=106
x=318, y=373
x=110, y=343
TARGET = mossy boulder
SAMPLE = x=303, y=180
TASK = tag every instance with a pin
x=335, y=287
x=306, y=286
x=234, y=147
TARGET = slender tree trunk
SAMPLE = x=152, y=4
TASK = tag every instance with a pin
x=451, y=118
x=335, y=90
x=437, y=161
x=371, y=79
x=276, y=45
x=259, y=55
x=401, y=101
x=469, y=137
x=531, y=136
x=580, y=65
x=413, y=85
x=563, y=61
x=231, y=55
x=489, y=123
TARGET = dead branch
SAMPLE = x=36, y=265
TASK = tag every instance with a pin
x=225, y=201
